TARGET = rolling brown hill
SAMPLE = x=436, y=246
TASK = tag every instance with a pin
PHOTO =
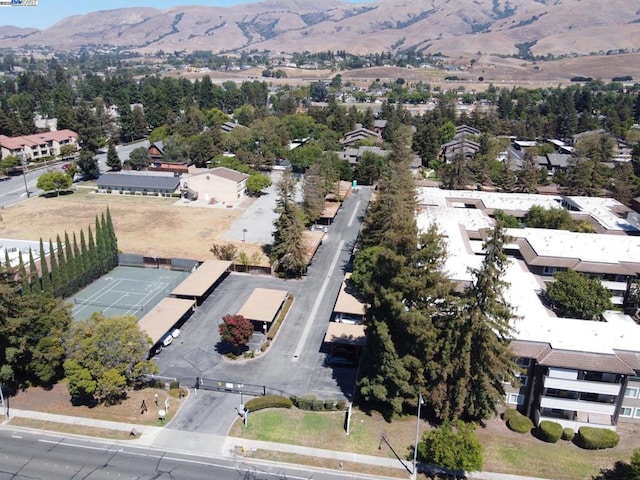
x=455, y=28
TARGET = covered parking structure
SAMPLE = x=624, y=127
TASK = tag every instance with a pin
x=166, y=315
x=202, y=281
x=346, y=339
x=348, y=308
x=263, y=306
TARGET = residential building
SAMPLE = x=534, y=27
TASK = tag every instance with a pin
x=571, y=371
x=218, y=185
x=38, y=146
x=360, y=133
x=139, y=183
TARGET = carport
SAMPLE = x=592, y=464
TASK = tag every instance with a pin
x=349, y=308
x=346, y=339
x=201, y=283
x=164, y=316
x=262, y=307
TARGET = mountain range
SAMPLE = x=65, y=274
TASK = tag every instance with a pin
x=455, y=28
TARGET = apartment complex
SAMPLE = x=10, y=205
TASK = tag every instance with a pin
x=574, y=372
x=37, y=146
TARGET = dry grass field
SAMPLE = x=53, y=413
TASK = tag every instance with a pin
x=145, y=226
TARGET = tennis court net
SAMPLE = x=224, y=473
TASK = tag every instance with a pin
x=123, y=306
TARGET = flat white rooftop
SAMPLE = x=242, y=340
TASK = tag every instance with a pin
x=535, y=322
x=588, y=247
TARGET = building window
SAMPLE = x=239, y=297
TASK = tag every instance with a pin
x=549, y=270
x=523, y=362
x=517, y=399
x=523, y=380
x=637, y=413
x=626, y=411
x=631, y=392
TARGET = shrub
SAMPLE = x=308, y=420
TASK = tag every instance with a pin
x=519, y=423
x=306, y=402
x=268, y=401
x=568, y=434
x=329, y=404
x=317, y=405
x=509, y=413
x=549, y=432
x=341, y=405
x=173, y=385
x=591, y=438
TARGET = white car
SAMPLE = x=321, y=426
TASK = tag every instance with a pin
x=166, y=341
x=175, y=333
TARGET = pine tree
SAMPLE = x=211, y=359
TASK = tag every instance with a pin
x=101, y=248
x=46, y=279
x=488, y=317
x=113, y=161
x=34, y=279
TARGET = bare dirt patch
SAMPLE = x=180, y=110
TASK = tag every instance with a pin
x=144, y=226
x=58, y=401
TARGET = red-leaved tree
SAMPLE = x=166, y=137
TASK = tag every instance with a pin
x=235, y=330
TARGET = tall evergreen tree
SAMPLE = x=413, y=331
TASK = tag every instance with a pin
x=53, y=266
x=94, y=261
x=44, y=269
x=289, y=247
x=114, y=239
x=86, y=259
x=22, y=274
x=488, y=316
x=72, y=271
x=102, y=248
x=80, y=269
x=34, y=278
x=62, y=281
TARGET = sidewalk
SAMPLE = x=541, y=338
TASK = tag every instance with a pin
x=219, y=446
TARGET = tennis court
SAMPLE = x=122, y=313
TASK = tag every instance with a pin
x=125, y=291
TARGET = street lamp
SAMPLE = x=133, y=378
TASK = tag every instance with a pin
x=244, y=232
x=415, y=447
x=24, y=174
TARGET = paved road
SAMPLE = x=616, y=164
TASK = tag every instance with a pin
x=13, y=190
x=56, y=457
x=294, y=363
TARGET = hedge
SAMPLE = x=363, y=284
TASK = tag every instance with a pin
x=549, y=432
x=268, y=401
x=509, y=413
x=568, y=434
x=519, y=423
x=591, y=438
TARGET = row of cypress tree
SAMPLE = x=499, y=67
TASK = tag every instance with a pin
x=72, y=264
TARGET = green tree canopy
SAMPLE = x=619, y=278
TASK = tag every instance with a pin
x=574, y=295
x=139, y=158
x=105, y=356
x=54, y=181
x=452, y=446
x=113, y=160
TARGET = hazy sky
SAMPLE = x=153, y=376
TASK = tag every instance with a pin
x=49, y=12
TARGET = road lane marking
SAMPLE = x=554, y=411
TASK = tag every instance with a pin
x=316, y=305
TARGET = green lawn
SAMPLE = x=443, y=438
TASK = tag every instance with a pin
x=505, y=451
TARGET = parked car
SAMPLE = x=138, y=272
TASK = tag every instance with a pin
x=175, y=333
x=166, y=341
x=339, y=361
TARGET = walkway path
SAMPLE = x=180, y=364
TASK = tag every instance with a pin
x=166, y=438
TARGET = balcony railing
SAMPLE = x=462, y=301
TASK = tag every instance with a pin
x=577, y=405
x=582, y=386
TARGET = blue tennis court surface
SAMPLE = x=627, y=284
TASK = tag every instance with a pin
x=125, y=291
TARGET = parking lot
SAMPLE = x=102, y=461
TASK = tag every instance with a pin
x=294, y=363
